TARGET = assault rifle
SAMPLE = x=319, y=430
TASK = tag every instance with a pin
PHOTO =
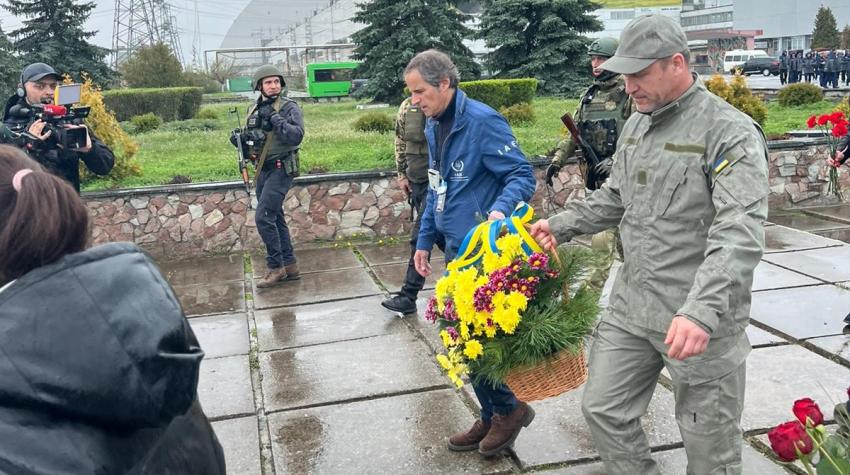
x=240, y=156
x=586, y=149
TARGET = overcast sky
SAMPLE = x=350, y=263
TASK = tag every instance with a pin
x=215, y=17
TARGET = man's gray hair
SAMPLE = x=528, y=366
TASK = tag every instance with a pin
x=434, y=66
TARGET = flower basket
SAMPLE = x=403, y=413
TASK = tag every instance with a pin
x=512, y=314
x=562, y=372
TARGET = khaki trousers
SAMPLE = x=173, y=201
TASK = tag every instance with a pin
x=624, y=366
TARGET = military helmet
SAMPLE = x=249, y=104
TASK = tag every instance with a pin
x=606, y=47
x=265, y=71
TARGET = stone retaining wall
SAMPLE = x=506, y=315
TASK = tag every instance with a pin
x=186, y=220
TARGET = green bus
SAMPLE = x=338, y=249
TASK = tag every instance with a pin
x=329, y=79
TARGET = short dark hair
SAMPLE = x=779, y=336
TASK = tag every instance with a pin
x=434, y=66
x=39, y=223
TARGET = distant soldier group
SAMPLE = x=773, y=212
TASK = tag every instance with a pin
x=830, y=68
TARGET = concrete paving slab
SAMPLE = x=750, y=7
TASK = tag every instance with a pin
x=240, y=441
x=208, y=270
x=804, y=312
x=675, y=461
x=835, y=213
x=392, y=275
x=837, y=345
x=759, y=337
x=224, y=387
x=805, y=223
x=289, y=327
x=842, y=234
x=402, y=434
x=222, y=335
x=830, y=264
x=559, y=432
x=397, y=253
x=212, y=298
x=313, y=260
x=784, y=239
x=347, y=370
x=318, y=287
x=779, y=375
x=768, y=276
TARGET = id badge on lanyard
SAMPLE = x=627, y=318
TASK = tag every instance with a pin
x=436, y=183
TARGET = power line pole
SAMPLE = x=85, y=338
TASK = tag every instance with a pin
x=196, y=39
x=140, y=23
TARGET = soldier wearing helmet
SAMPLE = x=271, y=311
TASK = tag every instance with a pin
x=600, y=116
x=274, y=131
x=603, y=110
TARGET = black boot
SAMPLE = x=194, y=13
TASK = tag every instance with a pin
x=400, y=303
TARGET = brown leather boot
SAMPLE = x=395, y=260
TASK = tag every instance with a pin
x=292, y=272
x=505, y=429
x=273, y=277
x=468, y=440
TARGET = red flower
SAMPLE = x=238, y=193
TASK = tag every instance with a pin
x=840, y=129
x=822, y=120
x=836, y=117
x=784, y=438
x=806, y=409
x=848, y=392
x=812, y=121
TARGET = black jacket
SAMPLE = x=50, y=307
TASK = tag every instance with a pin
x=64, y=163
x=99, y=371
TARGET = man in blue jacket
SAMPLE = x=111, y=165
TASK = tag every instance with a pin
x=476, y=171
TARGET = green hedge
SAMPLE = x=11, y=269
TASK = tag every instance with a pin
x=499, y=93
x=170, y=103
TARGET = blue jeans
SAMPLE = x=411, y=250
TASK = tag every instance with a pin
x=498, y=400
x=272, y=186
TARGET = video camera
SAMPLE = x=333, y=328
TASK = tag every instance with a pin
x=56, y=116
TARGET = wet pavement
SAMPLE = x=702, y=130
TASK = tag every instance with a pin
x=314, y=376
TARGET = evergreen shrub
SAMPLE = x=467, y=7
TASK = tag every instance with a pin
x=171, y=103
x=145, y=122
x=799, y=94
x=374, y=122
x=739, y=96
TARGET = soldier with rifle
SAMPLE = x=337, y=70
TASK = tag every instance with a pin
x=271, y=139
x=601, y=113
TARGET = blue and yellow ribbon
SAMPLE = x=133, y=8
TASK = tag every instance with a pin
x=481, y=239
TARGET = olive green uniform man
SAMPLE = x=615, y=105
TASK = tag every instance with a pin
x=689, y=190
x=411, y=158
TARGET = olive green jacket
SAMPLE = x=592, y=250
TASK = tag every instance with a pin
x=411, y=147
x=689, y=190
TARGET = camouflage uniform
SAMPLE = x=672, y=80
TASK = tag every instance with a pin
x=411, y=158
x=689, y=190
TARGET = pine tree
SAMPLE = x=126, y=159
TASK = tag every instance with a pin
x=53, y=33
x=396, y=31
x=10, y=66
x=153, y=66
x=825, y=34
x=845, y=37
x=542, y=39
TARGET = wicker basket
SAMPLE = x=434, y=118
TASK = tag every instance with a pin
x=556, y=375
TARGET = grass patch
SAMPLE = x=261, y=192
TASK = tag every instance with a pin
x=332, y=145
x=782, y=119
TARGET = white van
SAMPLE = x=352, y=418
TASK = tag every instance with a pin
x=737, y=57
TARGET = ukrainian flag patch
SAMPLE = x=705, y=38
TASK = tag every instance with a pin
x=720, y=164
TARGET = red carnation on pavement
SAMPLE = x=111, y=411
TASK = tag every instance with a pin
x=812, y=122
x=785, y=437
x=822, y=120
x=806, y=409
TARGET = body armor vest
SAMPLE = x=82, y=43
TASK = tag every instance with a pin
x=276, y=148
x=416, y=146
x=603, y=113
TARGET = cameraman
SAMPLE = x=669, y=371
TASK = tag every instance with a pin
x=273, y=135
x=37, y=87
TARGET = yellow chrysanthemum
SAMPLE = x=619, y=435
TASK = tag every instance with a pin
x=510, y=246
x=473, y=349
x=447, y=339
x=444, y=361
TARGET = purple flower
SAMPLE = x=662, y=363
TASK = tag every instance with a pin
x=452, y=333
x=538, y=261
x=450, y=313
x=431, y=309
x=483, y=298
